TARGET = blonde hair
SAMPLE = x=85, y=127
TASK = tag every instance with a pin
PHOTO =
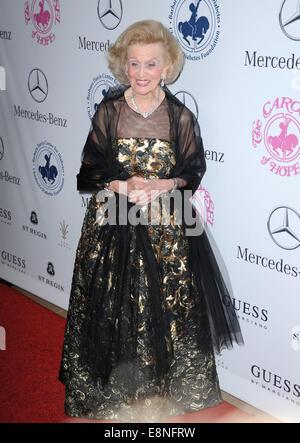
x=145, y=32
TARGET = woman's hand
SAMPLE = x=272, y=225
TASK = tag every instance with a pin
x=144, y=191
x=140, y=190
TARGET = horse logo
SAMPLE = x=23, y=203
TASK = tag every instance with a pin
x=42, y=18
x=48, y=173
x=48, y=168
x=44, y=14
x=196, y=26
x=98, y=90
x=284, y=144
x=279, y=132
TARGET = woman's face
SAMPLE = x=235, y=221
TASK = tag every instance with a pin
x=146, y=63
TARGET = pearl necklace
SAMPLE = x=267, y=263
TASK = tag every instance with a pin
x=145, y=114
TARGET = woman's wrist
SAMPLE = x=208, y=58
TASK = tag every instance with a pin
x=181, y=182
x=111, y=186
x=174, y=183
x=119, y=186
x=166, y=184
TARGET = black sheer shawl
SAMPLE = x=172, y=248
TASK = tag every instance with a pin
x=98, y=162
x=99, y=165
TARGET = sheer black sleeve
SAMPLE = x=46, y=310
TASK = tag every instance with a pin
x=191, y=160
x=97, y=161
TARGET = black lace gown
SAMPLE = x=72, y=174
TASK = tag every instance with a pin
x=141, y=326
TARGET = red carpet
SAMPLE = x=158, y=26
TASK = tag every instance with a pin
x=30, y=390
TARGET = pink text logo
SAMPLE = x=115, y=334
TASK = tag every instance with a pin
x=279, y=130
x=203, y=204
x=44, y=15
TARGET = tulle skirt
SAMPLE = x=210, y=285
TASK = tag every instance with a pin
x=146, y=314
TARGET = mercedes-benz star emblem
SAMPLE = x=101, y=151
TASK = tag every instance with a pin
x=110, y=13
x=284, y=227
x=187, y=99
x=38, y=85
x=289, y=19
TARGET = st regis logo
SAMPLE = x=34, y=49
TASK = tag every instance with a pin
x=43, y=14
x=279, y=132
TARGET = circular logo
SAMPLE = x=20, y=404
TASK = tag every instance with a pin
x=97, y=91
x=38, y=85
x=48, y=168
x=281, y=137
x=43, y=14
x=284, y=227
x=1, y=148
x=279, y=130
x=188, y=100
x=289, y=19
x=196, y=25
x=110, y=13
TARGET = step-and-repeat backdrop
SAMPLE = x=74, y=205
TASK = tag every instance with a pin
x=242, y=80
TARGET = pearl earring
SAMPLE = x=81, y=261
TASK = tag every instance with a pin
x=162, y=82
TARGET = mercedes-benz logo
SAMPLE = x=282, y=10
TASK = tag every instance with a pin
x=1, y=148
x=289, y=19
x=110, y=13
x=187, y=99
x=38, y=85
x=284, y=227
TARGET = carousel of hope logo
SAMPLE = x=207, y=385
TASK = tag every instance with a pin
x=279, y=132
x=44, y=15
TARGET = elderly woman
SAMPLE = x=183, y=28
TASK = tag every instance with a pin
x=145, y=312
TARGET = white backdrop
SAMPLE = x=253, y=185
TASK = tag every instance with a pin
x=243, y=81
